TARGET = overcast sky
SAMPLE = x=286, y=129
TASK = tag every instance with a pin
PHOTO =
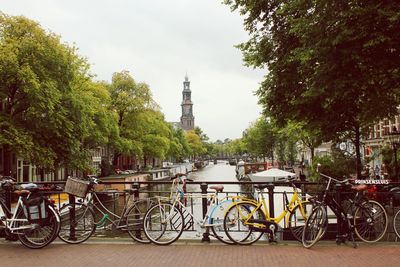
x=159, y=41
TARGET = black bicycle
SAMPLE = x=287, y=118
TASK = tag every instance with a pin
x=366, y=218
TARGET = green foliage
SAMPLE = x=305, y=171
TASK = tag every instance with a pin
x=260, y=138
x=389, y=162
x=333, y=65
x=130, y=101
x=156, y=135
x=196, y=146
x=41, y=80
x=52, y=112
x=337, y=165
x=179, y=146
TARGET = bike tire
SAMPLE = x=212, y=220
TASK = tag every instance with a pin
x=217, y=222
x=134, y=221
x=163, y=224
x=235, y=226
x=370, y=221
x=38, y=236
x=396, y=223
x=298, y=217
x=84, y=225
x=314, y=229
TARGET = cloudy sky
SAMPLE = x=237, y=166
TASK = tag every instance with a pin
x=159, y=41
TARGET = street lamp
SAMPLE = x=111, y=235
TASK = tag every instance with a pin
x=394, y=139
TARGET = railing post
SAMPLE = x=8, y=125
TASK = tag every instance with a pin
x=206, y=234
x=136, y=188
x=8, y=199
x=339, y=236
x=271, y=206
x=72, y=217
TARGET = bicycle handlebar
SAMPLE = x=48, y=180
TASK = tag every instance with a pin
x=7, y=182
x=181, y=176
x=345, y=181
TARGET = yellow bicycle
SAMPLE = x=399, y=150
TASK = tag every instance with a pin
x=246, y=220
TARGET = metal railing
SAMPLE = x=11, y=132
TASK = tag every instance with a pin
x=117, y=198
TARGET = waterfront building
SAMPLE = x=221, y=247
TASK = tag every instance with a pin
x=378, y=138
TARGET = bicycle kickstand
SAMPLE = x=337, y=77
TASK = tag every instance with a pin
x=272, y=238
x=355, y=245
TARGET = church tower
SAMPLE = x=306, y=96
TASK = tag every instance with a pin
x=187, y=118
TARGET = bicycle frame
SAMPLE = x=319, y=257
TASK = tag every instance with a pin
x=178, y=194
x=10, y=218
x=261, y=204
x=105, y=211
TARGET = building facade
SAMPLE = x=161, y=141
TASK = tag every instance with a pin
x=187, y=118
x=378, y=138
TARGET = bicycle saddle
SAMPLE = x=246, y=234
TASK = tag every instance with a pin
x=22, y=192
x=29, y=187
x=361, y=187
x=217, y=188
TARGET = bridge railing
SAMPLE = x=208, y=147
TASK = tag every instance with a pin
x=115, y=198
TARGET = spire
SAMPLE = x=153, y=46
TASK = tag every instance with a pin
x=186, y=78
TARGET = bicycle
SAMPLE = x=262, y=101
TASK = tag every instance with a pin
x=366, y=218
x=79, y=222
x=247, y=220
x=34, y=221
x=164, y=223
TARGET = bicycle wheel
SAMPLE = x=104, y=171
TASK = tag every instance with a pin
x=298, y=217
x=314, y=227
x=134, y=221
x=237, y=226
x=79, y=230
x=396, y=223
x=37, y=235
x=217, y=222
x=370, y=221
x=163, y=224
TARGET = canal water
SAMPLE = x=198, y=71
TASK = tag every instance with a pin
x=220, y=172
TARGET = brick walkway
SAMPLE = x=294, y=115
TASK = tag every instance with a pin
x=117, y=253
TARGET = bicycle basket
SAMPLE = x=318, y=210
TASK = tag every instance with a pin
x=76, y=187
x=35, y=209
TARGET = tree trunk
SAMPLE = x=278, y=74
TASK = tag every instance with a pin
x=42, y=174
x=56, y=178
x=312, y=151
x=358, y=154
x=115, y=159
x=7, y=161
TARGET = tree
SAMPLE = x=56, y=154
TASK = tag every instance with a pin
x=236, y=147
x=129, y=99
x=195, y=144
x=39, y=80
x=205, y=140
x=261, y=138
x=156, y=136
x=334, y=65
x=308, y=138
x=179, y=147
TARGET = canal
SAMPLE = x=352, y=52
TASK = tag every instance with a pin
x=221, y=172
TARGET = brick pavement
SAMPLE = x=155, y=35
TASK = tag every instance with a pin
x=194, y=254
